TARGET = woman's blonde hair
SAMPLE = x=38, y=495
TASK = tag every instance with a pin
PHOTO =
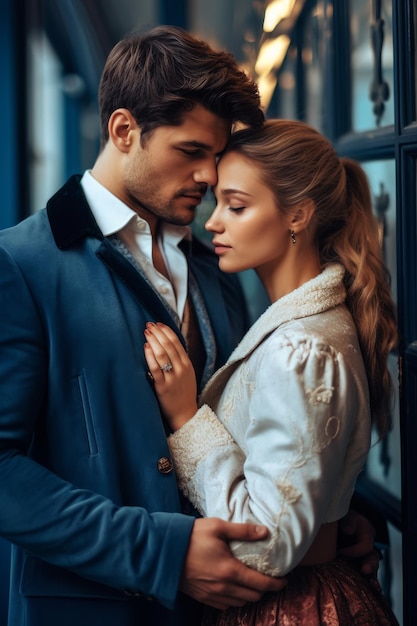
x=298, y=163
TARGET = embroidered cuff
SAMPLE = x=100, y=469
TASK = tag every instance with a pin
x=193, y=442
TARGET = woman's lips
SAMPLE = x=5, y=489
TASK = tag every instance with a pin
x=220, y=248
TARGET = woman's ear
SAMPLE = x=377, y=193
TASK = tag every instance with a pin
x=302, y=216
x=122, y=127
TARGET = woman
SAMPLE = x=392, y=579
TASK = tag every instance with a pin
x=283, y=429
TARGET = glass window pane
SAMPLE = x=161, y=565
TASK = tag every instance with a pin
x=372, y=64
x=283, y=103
x=381, y=177
x=390, y=573
x=46, y=121
x=313, y=54
x=384, y=461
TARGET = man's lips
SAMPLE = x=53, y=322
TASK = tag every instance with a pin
x=194, y=193
x=193, y=197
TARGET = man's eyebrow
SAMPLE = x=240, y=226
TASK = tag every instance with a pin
x=196, y=144
x=201, y=146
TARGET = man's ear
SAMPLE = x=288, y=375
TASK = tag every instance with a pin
x=302, y=216
x=122, y=128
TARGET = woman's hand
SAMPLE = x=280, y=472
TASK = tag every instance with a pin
x=173, y=374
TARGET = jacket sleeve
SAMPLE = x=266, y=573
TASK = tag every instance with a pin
x=124, y=547
x=284, y=468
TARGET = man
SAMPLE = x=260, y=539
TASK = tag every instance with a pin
x=87, y=489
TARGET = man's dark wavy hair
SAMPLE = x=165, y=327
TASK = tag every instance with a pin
x=160, y=75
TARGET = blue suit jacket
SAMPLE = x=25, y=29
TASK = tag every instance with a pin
x=81, y=491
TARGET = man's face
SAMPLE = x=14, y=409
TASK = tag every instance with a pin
x=167, y=177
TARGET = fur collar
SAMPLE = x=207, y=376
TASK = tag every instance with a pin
x=323, y=292
x=319, y=294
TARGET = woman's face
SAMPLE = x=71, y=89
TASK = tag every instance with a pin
x=249, y=231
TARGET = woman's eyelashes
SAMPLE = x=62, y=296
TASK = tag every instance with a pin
x=236, y=209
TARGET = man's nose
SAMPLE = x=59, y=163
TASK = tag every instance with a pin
x=207, y=174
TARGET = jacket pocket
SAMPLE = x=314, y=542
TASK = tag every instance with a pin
x=88, y=418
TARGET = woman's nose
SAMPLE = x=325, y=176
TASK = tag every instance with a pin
x=213, y=223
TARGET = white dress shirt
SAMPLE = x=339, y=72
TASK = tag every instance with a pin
x=113, y=216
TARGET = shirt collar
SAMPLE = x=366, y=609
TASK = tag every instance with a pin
x=112, y=215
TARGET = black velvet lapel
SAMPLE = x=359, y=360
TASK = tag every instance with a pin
x=71, y=220
x=70, y=216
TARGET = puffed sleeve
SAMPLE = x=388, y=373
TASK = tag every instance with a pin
x=292, y=411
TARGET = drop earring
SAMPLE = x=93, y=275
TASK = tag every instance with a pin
x=292, y=237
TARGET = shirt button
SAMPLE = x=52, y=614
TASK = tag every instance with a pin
x=164, y=289
x=140, y=225
x=165, y=465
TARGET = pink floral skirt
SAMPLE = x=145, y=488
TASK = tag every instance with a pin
x=321, y=595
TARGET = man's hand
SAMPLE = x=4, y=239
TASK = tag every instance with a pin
x=213, y=576
x=356, y=542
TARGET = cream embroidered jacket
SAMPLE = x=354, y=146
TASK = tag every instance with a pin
x=284, y=427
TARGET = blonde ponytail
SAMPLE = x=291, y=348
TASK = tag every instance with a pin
x=369, y=299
